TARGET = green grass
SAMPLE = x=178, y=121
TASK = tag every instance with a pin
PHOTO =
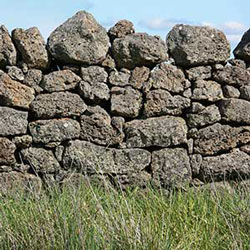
x=97, y=218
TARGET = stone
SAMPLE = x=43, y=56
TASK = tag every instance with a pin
x=169, y=77
x=97, y=127
x=139, y=49
x=197, y=45
x=15, y=73
x=235, y=110
x=120, y=78
x=7, y=150
x=187, y=93
x=139, y=76
x=207, y=91
x=233, y=165
x=13, y=122
x=91, y=159
x=94, y=74
x=15, y=183
x=171, y=167
x=219, y=138
x=31, y=45
x=237, y=62
x=58, y=104
x=190, y=146
x=55, y=130
x=199, y=73
x=72, y=67
x=59, y=150
x=79, y=40
x=195, y=162
x=125, y=102
x=15, y=94
x=60, y=81
x=161, y=102
x=230, y=91
x=108, y=62
x=5, y=168
x=208, y=116
x=232, y=75
x=162, y=131
x=23, y=141
x=242, y=51
x=8, y=54
x=196, y=108
x=121, y=29
x=94, y=92
x=33, y=79
x=246, y=149
x=245, y=92
x=40, y=160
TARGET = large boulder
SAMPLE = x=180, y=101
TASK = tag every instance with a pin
x=7, y=149
x=90, y=158
x=31, y=45
x=121, y=29
x=13, y=122
x=197, y=45
x=7, y=49
x=79, y=40
x=139, y=49
x=161, y=131
x=242, y=51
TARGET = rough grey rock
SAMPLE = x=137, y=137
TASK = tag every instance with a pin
x=139, y=49
x=232, y=75
x=56, y=130
x=90, y=158
x=125, y=102
x=219, y=138
x=120, y=78
x=161, y=102
x=59, y=151
x=195, y=162
x=15, y=73
x=207, y=90
x=15, y=182
x=60, y=81
x=23, y=141
x=171, y=167
x=58, y=104
x=72, y=67
x=93, y=74
x=33, y=79
x=13, y=122
x=242, y=51
x=13, y=93
x=196, y=107
x=233, y=165
x=40, y=159
x=235, y=110
x=246, y=149
x=245, y=92
x=7, y=49
x=199, y=73
x=187, y=93
x=169, y=77
x=121, y=29
x=237, y=62
x=139, y=76
x=31, y=45
x=96, y=126
x=7, y=149
x=197, y=45
x=209, y=115
x=162, y=131
x=5, y=168
x=79, y=40
x=230, y=91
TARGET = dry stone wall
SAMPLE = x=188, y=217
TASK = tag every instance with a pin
x=123, y=107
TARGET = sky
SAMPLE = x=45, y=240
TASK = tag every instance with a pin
x=155, y=17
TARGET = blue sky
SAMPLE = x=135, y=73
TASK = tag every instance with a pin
x=151, y=16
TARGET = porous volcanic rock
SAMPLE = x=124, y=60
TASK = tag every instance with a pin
x=7, y=149
x=199, y=73
x=121, y=29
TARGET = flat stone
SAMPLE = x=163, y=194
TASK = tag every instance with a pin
x=58, y=104
x=125, y=102
x=7, y=149
x=207, y=90
x=79, y=40
x=219, y=138
x=121, y=29
x=235, y=110
x=199, y=73
x=60, y=81
x=197, y=45
x=161, y=102
x=55, y=130
x=7, y=49
x=40, y=159
x=90, y=158
x=171, y=168
x=139, y=49
x=230, y=91
x=162, y=131
x=15, y=94
x=31, y=45
x=13, y=122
